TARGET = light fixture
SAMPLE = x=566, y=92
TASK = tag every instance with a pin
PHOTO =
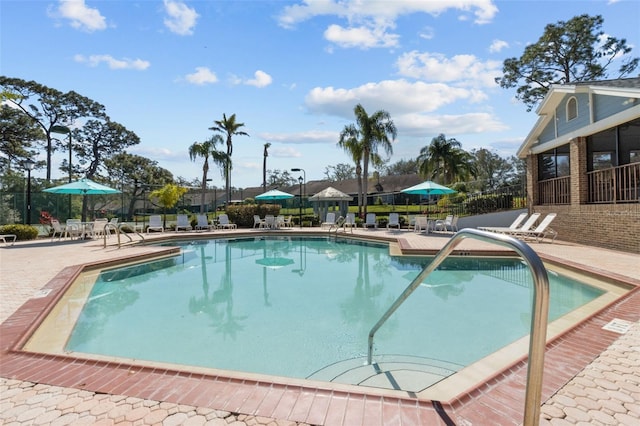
x=29, y=164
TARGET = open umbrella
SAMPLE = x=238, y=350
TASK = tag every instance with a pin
x=274, y=194
x=428, y=188
x=83, y=186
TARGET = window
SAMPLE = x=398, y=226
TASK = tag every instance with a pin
x=602, y=160
x=554, y=163
x=572, y=108
x=634, y=156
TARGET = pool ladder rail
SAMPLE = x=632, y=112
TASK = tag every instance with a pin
x=118, y=228
x=539, y=314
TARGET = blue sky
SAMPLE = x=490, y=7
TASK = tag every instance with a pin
x=291, y=71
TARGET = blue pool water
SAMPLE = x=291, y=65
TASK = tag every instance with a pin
x=292, y=306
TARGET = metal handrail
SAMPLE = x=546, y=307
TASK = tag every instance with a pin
x=539, y=314
x=118, y=232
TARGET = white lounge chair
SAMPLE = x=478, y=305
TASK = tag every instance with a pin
x=525, y=227
x=288, y=222
x=350, y=222
x=258, y=222
x=155, y=223
x=203, y=223
x=420, y=224
x=514, y=225
x=541, y=231
x=58, y=229
x=8, y=239
x=223, y=222
x=183, y=223
x=329, y=221
x=74, y=228
x=450, y=223
x=394, y=221
x=370, y=221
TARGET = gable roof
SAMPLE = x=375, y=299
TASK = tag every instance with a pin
x=622, y=87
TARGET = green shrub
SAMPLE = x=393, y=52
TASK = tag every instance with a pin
x=22, y=232
x=242, y=215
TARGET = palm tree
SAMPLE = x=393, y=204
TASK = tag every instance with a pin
x=228, y=127
x=264, y=166
x=349, y=142
x=205, y=150
x=372, y=133
x=444, y=160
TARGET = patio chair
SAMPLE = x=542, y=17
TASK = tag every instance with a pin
x=58, y=229
x=203, y=223
x=525, y=227
x=370, y=221
x=420, y=224
x=514, y=225
x=155, y=223
x=541, y=231
x=270, y=221
x=182, y=222
x=350, y=222
x=223, y=222
x=96, y=228
x=280, y=221
x=411, y=222
x=288, y=222
x=8, y=239
x=258, y=222
x=74, y=228
x=329, y=221
x=394, y=221
x=450, y=223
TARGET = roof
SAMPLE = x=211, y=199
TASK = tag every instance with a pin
x=331, y=194
x=622, y=87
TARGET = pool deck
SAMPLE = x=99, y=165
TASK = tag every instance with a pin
x=592, y=374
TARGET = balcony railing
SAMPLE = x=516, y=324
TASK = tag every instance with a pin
x=615, y=185
x=555, y=191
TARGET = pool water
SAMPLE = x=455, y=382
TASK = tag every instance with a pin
x=293, y=306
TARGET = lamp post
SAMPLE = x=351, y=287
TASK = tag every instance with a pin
x=300, y=206
x=297, y=169
x=29, y=164
x=65, y=130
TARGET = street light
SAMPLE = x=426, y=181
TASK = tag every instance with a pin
x=29, y=164
x=65, y=130
x=300, y=206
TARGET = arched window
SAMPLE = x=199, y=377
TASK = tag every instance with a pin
x=572, y=108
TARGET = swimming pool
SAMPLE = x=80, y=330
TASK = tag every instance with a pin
x=302, y=307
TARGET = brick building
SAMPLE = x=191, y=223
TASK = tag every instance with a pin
x=583, y=162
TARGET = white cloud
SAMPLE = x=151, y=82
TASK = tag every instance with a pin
x=261, y=79
x=421, y=125
x=464, y=69
x=113, y=63
x=203, y=75
x=308, y=137
x=181, y=19
x=427, y=33
x=498, y=45
x=361, y=37
x=82, y=17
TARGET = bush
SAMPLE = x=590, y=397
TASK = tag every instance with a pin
x=242, y=215
x=22, y=232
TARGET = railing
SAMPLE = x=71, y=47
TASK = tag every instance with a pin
x=539, y=312
x=107, y=231
x=619, y=184
x=555, y=191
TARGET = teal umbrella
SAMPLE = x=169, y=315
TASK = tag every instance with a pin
x=83, y=186
x=275, y=262
x=428, y=188
x=274, y=194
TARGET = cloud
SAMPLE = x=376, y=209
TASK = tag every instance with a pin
x=423, y=125
x=464, y=69
x=113, y=63
x=362, y=37
x=82, y=17
x=181, y=19
x=369, y=22
x=498, y=45
x=299, y=138
x=261, y=79
x=203, y=75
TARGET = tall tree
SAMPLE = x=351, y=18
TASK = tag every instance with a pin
x=402, y=167
x=373, y=133
x=340, y=172
x=493, y=171
x=18, y=135
x=48, y=108
x=351, y=144
x=229, y=127
x=205, y=150
x=443, y=160
x=572, y=51
x=265, y=154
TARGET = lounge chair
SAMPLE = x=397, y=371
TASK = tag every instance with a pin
x=514, y=225
x=183, y=223
x=329, y=221
x=9, y=239
x=258, y=222
x=525, y=227
x=223, y=222
x=394, y=221
x=203, y=223
x=280, y=221
x=288, y=223
x=155, y=223
x=96, y=228
x=370, y=221
x=411, y=222
x=541, y=231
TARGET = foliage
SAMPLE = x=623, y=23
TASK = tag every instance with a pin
x=228, y=127
x=45, y=218
x=402, y=167
x=493, y=171
x=339, y=172
x=572, y=51
x=18, y=134
x=205, y=150
x=280, y=178
x=444, y=161
x=168, y=196
x=488, y=203
x=242, y=215
x=22, y=232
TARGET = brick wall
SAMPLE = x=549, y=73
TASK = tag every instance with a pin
x=613, y=226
